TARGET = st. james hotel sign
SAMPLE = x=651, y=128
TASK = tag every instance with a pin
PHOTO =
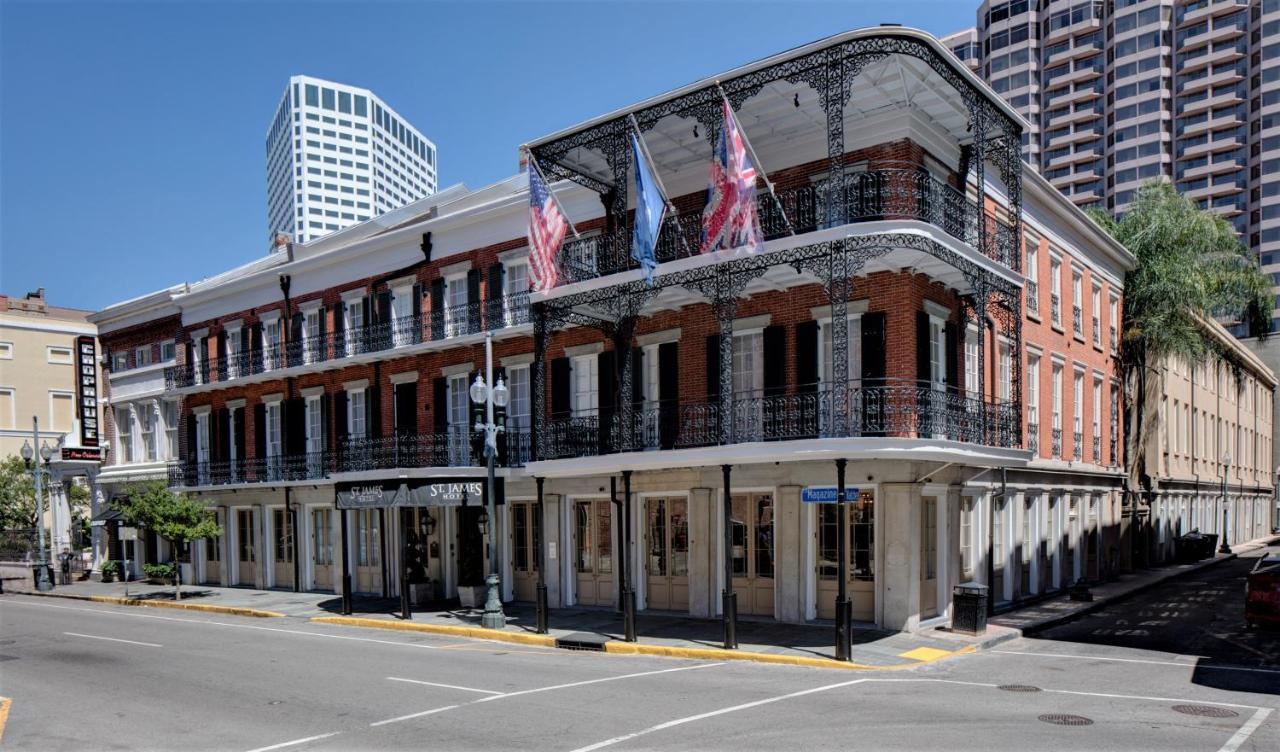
x=416, y=492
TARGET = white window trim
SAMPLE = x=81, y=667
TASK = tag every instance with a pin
x=62, y=393
x=6, y=350
x=12, y=422
x=49, y=349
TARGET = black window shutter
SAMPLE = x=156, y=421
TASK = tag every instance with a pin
x=440, y=404
x=260, y=431
x=437, y=308
x=383, y=302
x=255, y=348
x=637, y=376
x=191, y=349
x=668, y=392
x=239, y=438
x=295, y=426
x=324, y=421
x=246, y=346
x=191, y=454
x=320, y=347
x=224, y=434
x=220, y=356
x=775, y=370
x=339, y=419
x=953, y=362
x=339, y=328
x=713, y=368
x=416, y=335
x=806, y=356
x=559, y=387
x=873, y=347
x=607, y=364
x=923, y=370
x=406, y=398
x=295, y=340
x=473, y=300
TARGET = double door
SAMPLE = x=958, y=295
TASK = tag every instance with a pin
x=282, y=534
x=667, y=553
x=322, y=549
x=593, y=552
x=368, y=554
x=213, y=558
x=526, y=537
x=246, y=548
x=752, y=540
x=859, y=553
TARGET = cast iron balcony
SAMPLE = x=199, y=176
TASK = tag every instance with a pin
x=1097, y=334
x=1097, y=448
x=1033, y=438
x=453, y=321
x=1033, y=296
x=894, y=193
x=1113, y=339
x=1056, y=445
x=870, y=408
x=1055, y=308
x=1077, y=446
x=1077, y=325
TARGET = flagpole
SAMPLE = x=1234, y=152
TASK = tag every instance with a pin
x=533, y=162
x=756, y=160
x=653, y=170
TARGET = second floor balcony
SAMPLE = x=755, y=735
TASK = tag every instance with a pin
x=314, y=347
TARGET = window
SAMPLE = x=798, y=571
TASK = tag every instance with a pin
x=119, y=362
x=234, y=368
x=516, y=298
x=518, y=408
x=455, y=306
x=6, y=351
x=966, y=537
x=402, y=326
x=168, y=351
x=1006, y=373
x=1077, y=409
x=1057, y=398
x=1033, y=395
x=124, y=433
x=586, y=385
x=147, y=430
x=169, y=413
x=8, y=408
x=62, y=355
x=314, y=426
x=275, y=447
x=1097, y=419
x=311, y=344
x=1077, y=300
x=1055, y=292
x=854, y=334
x=357, y=425
x=272, y=356
x=62, y=410
x=997, y=535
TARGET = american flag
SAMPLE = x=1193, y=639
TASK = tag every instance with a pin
x=730, y=219
x=546, y=231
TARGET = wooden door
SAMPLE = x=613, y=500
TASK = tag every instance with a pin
x=593, y=552
x=525, y=539
x=322, y=549
x=667, y=553
x=753, y=552
x=368, y=552
x=861, y=583
x=928, y=557
x=247, y=548
x=213, y=560
x=282, y=547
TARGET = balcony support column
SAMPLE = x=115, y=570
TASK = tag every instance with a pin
x=726, y=307
x=834, y=88
x=838, y=289
x=625, y=404
x=539, y=381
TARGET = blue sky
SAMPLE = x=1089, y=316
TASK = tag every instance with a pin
x=132, y=134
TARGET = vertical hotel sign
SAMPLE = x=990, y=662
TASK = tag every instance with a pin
x=87, y=361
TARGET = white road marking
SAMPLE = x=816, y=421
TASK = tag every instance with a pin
x=114, y=639
x=412, y=716
x=1106, y=695
x=712, y=714
x=598, y=681
x=445, y=686
x=282, y=745
x=226, y=624
x=1245, y=731
x=504, y=695
x=1205, y=667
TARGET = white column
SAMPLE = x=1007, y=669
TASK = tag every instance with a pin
x=554, y=543
x=900, y=510
x=790, y=572
x=702, y=600
x=98, y=533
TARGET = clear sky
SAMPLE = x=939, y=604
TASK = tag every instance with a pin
x=132, y=134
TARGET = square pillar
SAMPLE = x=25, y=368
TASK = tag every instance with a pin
x=790, y=571
x=703, y=594
x=900, y=529
x=555, y=546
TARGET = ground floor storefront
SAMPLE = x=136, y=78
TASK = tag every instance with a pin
x=772, y=533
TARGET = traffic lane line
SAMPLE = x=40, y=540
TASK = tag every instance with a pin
x=538, y=690
x=295, y=742
x=1196, y=664
x=444, y=686
x=114, y=639
x=1238, y=738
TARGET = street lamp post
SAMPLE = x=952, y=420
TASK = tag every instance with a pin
x=37, y=472
x=490, y=397
x=1224, y=547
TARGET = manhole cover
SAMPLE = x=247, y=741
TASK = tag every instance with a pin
x=1018, y=688
x=1063, y=719
x=1208, y=711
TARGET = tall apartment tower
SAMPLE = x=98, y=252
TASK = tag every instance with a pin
x=338, y=155
x=1122, y=91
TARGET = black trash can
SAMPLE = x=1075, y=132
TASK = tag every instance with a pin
x=1210, y=545
x=970, y=617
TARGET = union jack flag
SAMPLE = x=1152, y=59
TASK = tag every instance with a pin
x=730, y=219
x=546, y=231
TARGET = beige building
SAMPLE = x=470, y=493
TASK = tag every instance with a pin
x=38, y=368
x=1215, y=424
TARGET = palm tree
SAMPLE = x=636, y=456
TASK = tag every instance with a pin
x=1191, y=266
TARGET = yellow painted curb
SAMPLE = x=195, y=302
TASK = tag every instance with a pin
x=205, y=607
x=479, y=633
x=5, y=704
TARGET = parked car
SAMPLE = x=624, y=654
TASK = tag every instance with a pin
x=1262, y=593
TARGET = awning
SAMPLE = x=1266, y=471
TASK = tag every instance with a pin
x=110, y=514
x=425, y=492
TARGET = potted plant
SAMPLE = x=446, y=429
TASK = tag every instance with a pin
x=160, y=574
x=109, y=570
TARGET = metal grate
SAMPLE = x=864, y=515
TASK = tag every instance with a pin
x=1063, y=719
x=1206, y=711
x=1018, y=688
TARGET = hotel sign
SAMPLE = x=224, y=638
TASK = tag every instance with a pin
x=416, y=492
x=87, y=383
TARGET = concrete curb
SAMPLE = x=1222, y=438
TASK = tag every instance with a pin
x=477, y=633
x=624, y=648
x=114, y=600
x=1098, y=604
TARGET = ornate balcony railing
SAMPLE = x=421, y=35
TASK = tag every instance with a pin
x=1077, y=446
x=1033, y=438
x=893, y=193
x=882, y=407
x=454, y=448
x=1077, y=324
x=1055, y=445
x=1097, y=449
x=1055, y=308
x=1033, y=296
x=1113, y=338
x=1097, y=333
x=454, y=321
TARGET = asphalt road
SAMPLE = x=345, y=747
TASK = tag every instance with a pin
x=94, y=677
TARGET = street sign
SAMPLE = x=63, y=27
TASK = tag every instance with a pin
x=825, y=494
x=128, y=533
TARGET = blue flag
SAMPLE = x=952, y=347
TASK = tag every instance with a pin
x=651, y=207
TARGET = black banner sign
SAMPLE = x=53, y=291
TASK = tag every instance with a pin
x=87, y=383
x=417, y=492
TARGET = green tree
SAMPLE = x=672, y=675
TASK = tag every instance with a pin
x=17, y=495
x=1191, y=266
x=175, y=517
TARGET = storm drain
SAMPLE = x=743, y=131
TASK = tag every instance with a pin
x=1018, y=688
x=582, y=641
x=1063, y=719
x=1206, y=711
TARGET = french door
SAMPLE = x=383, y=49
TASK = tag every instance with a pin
x=593, y=552
x=753, y=552
x=667, y=553
x=860, y=553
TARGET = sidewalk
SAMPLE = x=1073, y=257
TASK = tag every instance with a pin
x=658, y=633
x=1060, y=609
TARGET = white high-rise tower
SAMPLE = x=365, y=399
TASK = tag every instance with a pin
x=338, y=155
